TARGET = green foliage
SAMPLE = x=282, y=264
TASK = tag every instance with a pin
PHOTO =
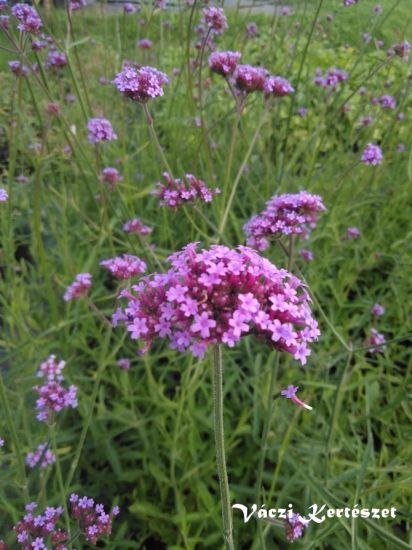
x=143, y=439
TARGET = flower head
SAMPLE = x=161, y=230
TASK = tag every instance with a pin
x=175, y=192
x=378, y=310
x=372, y=155
x=377, y=341
x=137, y=226
x=56, y=59
x=124, y=267
x=288, y=214
x=277, y=86
x=100, y=129
x=250, y=79
x=3, y=195
x=29, y=20
x=145, y=44
x=224, y=63
x=77, y=4
x=294, y=526
x=42, y=457
x=140, y=83
x=18, y=68
x=352, y=233
x=216, y=296
x=111, y=176
x=215, y=19
x=79, y=288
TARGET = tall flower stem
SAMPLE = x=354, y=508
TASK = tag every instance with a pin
x=155, y=139
x=241, y=170
x=220, y=446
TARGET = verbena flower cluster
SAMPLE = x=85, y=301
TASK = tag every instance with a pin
x=3, y=195
x=77, y=4
x=79, y=288
x=137, y=226
x=35, y=532
x=175, y=192
x=18, y=68
x=294, y=527
x=224, y=63
x=332, y=78
x=111, y=176
x=29, y=20
x=42, y=456
x=100, y=129
x=372, y=155
x=215, y=19
x=53, y=396
x=277, y=86
x=56, y=59
x=124, y=267
x=41, y=531
x=140, y=83
x=250, y=79
x=288, y=214
x=217, y=296
x=376, y=341
x=92, y=519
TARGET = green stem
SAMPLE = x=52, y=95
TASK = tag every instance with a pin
x=241, y=170
x=52, y=434
x=12, y=430
x=155, y=139
x=265, y=437
x=220, y=446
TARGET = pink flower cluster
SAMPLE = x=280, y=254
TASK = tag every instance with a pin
x=224, y=63
x=145, y=44
x=294, y=526
x=3, y=195
x=33, y=531
x=100, y=129
x=137, y=226
x=372, y=155
x=53, y=396
x=216, y=296
x=56, y=59
x=18, y=68
x=288, y=214
x=52, y=369
x=175, y=192
x=124, y=267
x=111, y=176
x=92, y=518
x=378, y=310
x=377, y=341
x=42, y=457
x=402, y=50
x=29, y=20
x=4, y=22
x=215, y=19
x=77, y=4
x=250, y=79
x=332, y=78
x=79, y=288
x=140, y=83
x=353, y=233
x=387, y=102
x=277, y=86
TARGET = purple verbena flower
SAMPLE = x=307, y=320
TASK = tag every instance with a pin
x=372, y=155
x=41, y=456
x=294, y=526
x=215, y=19
x=137, y=226
x=250, y=79
x=224, y=63
x=3, y=195
x=79, y=288
x=378, y=310
x=29, y=20
x=216, y=296
x=352, y=233
x=290, y=393
x=175, y=192
x=100, y=129
x=111, y=176
x=140, y=83
x=288, y=214
x=125, y=266
x=277, y=86
x=377, y=341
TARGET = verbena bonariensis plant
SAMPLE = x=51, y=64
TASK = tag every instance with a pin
x=65, y=198
x=213, y=297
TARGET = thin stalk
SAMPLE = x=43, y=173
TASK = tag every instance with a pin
x=240, y=172
x=13, y=434
x=155, y=139
x=52, y=435
x=220, y=446
x=265, y=437
x=291, y=251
